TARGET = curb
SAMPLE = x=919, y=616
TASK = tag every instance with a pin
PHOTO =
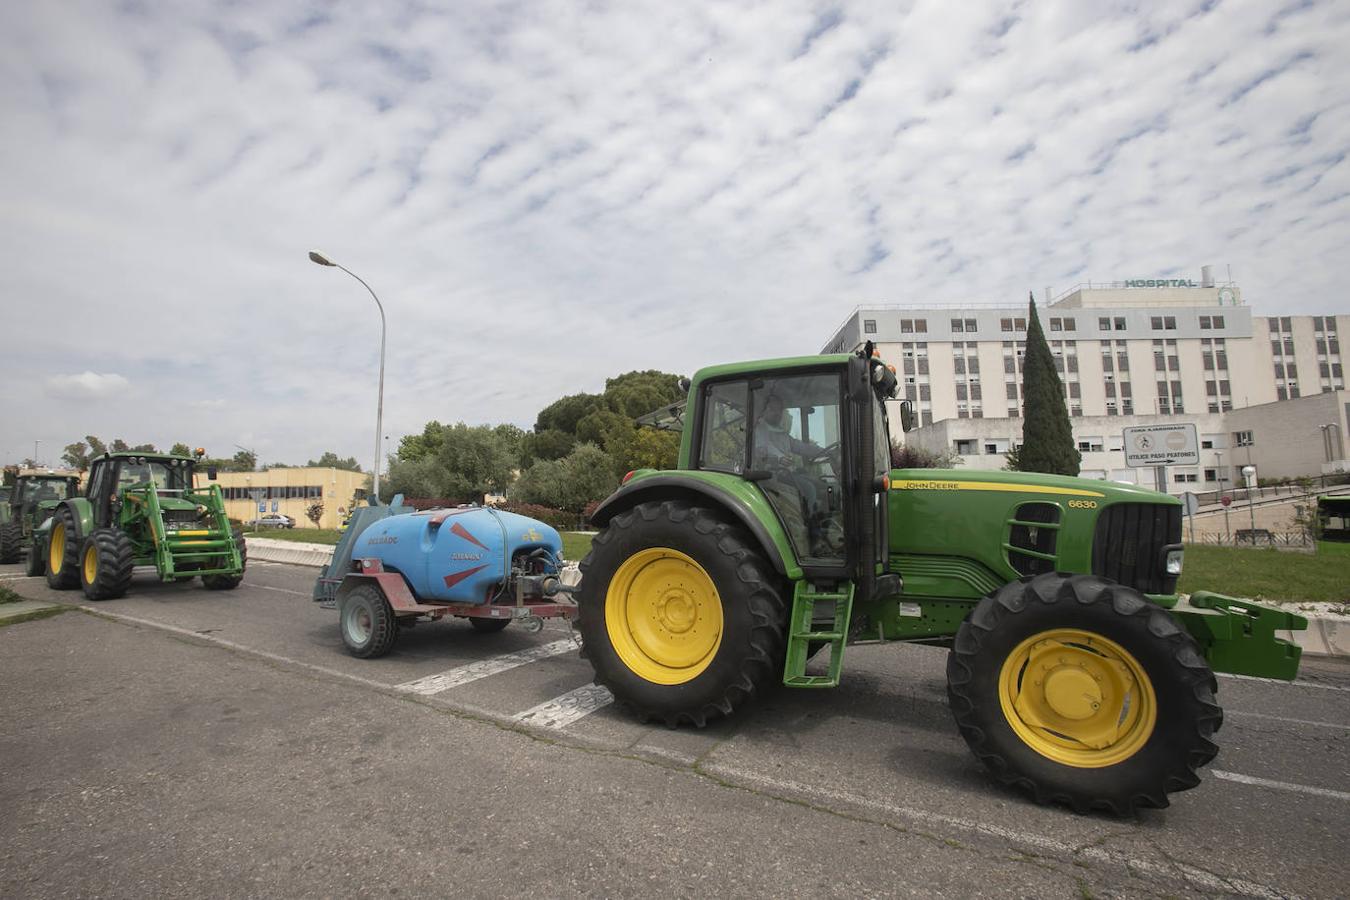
x=26, y=610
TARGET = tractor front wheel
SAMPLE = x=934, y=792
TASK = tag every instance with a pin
x=1080, y=691
x=106, y=563
x=11, y=541
x=37, y=559
x=63, y=551
x=369, y=626
x=229, y=582
x=681, y=615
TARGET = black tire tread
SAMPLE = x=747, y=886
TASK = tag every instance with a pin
x=36, y=564
x=68, y=578
x=116, y=561
x=11, y=541
x=488, y=626
x=755, y=673
x=230, y=582
x=1187, y=666
x=383, y=623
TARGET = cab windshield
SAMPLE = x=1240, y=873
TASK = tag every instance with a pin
x=46, y=489
x=157, y=472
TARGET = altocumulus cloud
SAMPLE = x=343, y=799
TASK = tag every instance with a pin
x=87, y=385
x=545, y=194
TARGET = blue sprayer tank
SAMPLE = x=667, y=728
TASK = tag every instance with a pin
x=456, y=555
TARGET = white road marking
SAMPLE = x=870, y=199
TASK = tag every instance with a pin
x=1251, y=715
x=1307, y=684
x=444, y=681
x=267, y=587
x=15, y=575
x=1280, y=785
x=1169, y=869
x=564, y=710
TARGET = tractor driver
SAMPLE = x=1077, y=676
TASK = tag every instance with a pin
x=777, y=450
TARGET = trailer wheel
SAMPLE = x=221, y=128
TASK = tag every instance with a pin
x=1080, y=691
x=680, y=613
x=106, y=563
x=11, y=541
x=228, y=582
x=488, y=626
x=37, y=559
x=369, y=627
x=63, y=551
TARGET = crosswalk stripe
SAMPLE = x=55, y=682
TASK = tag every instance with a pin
x=564, y=710
x=444, y=681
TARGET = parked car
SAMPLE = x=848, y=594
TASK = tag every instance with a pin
x=274, y=520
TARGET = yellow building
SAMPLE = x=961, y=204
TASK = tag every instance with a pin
x=291, y=492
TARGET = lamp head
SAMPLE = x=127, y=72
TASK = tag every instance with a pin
x=317, y=257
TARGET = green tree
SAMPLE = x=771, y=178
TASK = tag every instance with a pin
x=456, y=461
x=180, y=449
x=244, y=461
x=330, y=460
x=564, y=414
x=1047, y=436
x=144, y=448
x=314, y=512
x=119, y=446
x=419, y=446
x=76, y=455
x=570, y=483
x=547, y=444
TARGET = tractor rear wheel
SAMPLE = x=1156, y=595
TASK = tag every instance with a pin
x=37, y=559
x=106, y=563
x=63, y=551
x=1080, y=691
x=369, y=626
x=488, y=626
x=681, y=615
x=11, y=541
x=229, y=582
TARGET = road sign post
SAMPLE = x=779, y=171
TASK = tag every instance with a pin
x=1160, y=446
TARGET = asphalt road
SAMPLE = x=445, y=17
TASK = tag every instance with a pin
x=187, y=742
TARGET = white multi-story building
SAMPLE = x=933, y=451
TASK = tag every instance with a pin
x=1146, y=350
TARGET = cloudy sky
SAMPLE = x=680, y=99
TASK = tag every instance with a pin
x=548, y=193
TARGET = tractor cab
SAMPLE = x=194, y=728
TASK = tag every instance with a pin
x=113, y=476
x=812, y=436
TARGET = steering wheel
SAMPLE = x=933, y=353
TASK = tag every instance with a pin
x=824, y=452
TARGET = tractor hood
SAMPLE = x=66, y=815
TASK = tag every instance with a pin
x=1026, y=483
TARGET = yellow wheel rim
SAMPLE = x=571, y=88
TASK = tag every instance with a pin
x=56, y=554
x=1077, y=698
x=664, y=616
x=90, y=564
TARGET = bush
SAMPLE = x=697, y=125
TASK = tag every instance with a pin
x=907, y=457
x=560, y=519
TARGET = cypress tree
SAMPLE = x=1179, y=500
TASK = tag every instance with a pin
x=1047, y=436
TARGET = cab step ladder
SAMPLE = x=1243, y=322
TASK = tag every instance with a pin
x=835, y=607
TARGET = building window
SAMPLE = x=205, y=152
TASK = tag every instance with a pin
x=906, y=326
x=958, y=326
x=1184, y=477
x=1103, y=324
x=1005, y=324
x=869, y=326
x=1156, y=323
x=921, y=326
x=971, y=326
x=1242, y=439
x=1120, y=323
x=1056, y=324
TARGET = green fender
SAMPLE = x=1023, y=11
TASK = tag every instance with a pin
x=84, y=515
x=718, y=490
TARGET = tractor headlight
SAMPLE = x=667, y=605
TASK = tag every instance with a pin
x=1174, y=562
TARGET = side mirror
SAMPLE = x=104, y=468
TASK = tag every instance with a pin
x=906, y=415
x=211, y=473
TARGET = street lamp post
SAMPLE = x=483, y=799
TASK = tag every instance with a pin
x=35, y=451
x=1247, y=473
x=318, y=258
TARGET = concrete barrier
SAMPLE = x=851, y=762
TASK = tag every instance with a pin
x=1327, y=635
x=291, y=552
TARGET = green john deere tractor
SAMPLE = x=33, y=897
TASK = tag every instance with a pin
x=1074, y=671
x=34, y=496
x=142, y=509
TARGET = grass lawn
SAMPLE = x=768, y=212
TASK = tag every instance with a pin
x=1264, y=574
x=575, y=545
x=302, y=535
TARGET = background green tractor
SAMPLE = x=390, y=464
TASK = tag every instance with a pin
x=31, y=501
x=142, y=509
x=1073, y=671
